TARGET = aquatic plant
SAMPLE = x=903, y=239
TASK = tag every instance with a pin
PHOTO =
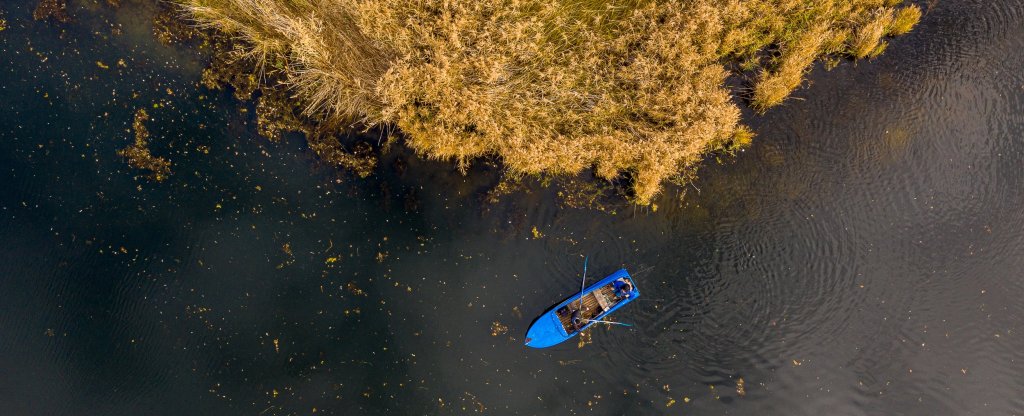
x=904, y=20
x=632, y=87
x=55, y=10
x=866, y=39
x=773, y=86
x=138, y=154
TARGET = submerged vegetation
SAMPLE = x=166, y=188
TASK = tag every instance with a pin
x=56, y=10
x=138, y=154
x=629, y=88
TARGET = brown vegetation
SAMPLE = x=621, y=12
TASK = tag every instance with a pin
x=275, y=109
x=56, y=10
x=138, y=153
x=550, y=86
x=867, y=38
x=795, y=57
x=904, y=20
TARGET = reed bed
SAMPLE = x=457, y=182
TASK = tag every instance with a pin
x=629, y=88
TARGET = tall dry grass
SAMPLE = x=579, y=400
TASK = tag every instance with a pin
x=904, y=20
x=796, y=56
x=867, y=39
x=553, y=86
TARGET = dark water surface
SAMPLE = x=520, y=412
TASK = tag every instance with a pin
x=864, y=257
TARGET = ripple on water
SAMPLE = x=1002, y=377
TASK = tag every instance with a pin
x=567, y=243
x=873, y=229
x=748, y=306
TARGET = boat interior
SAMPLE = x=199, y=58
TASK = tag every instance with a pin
x=595, y=303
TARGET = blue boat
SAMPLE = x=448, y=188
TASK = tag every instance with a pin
x=599, y=300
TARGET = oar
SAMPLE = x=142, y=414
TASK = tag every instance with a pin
x=645, y=270
x=608, y=322
x=584, y=284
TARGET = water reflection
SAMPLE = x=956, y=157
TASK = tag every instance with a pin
x=861, y=258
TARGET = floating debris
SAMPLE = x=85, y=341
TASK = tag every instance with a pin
x=497, y=328
x=741, y=387
x=361, y=160
x=508, y=185
x=479, y=406
x=286, y=248
x=169, y=27
x=598, y=195
x=56, y=10
x=353, y=289
x=585, y=338
x=138, y=153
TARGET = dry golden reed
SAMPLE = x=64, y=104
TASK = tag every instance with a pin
x=905, y=19
x=551, y=86
x=867, y=38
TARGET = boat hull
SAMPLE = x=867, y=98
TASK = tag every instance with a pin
x=547, y=330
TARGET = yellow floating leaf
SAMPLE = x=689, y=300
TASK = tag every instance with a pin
x=497, y=328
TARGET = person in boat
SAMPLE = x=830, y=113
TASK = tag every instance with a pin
x=578, y=322
x=623, y=288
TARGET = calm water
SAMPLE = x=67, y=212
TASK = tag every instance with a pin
x=864, y=257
